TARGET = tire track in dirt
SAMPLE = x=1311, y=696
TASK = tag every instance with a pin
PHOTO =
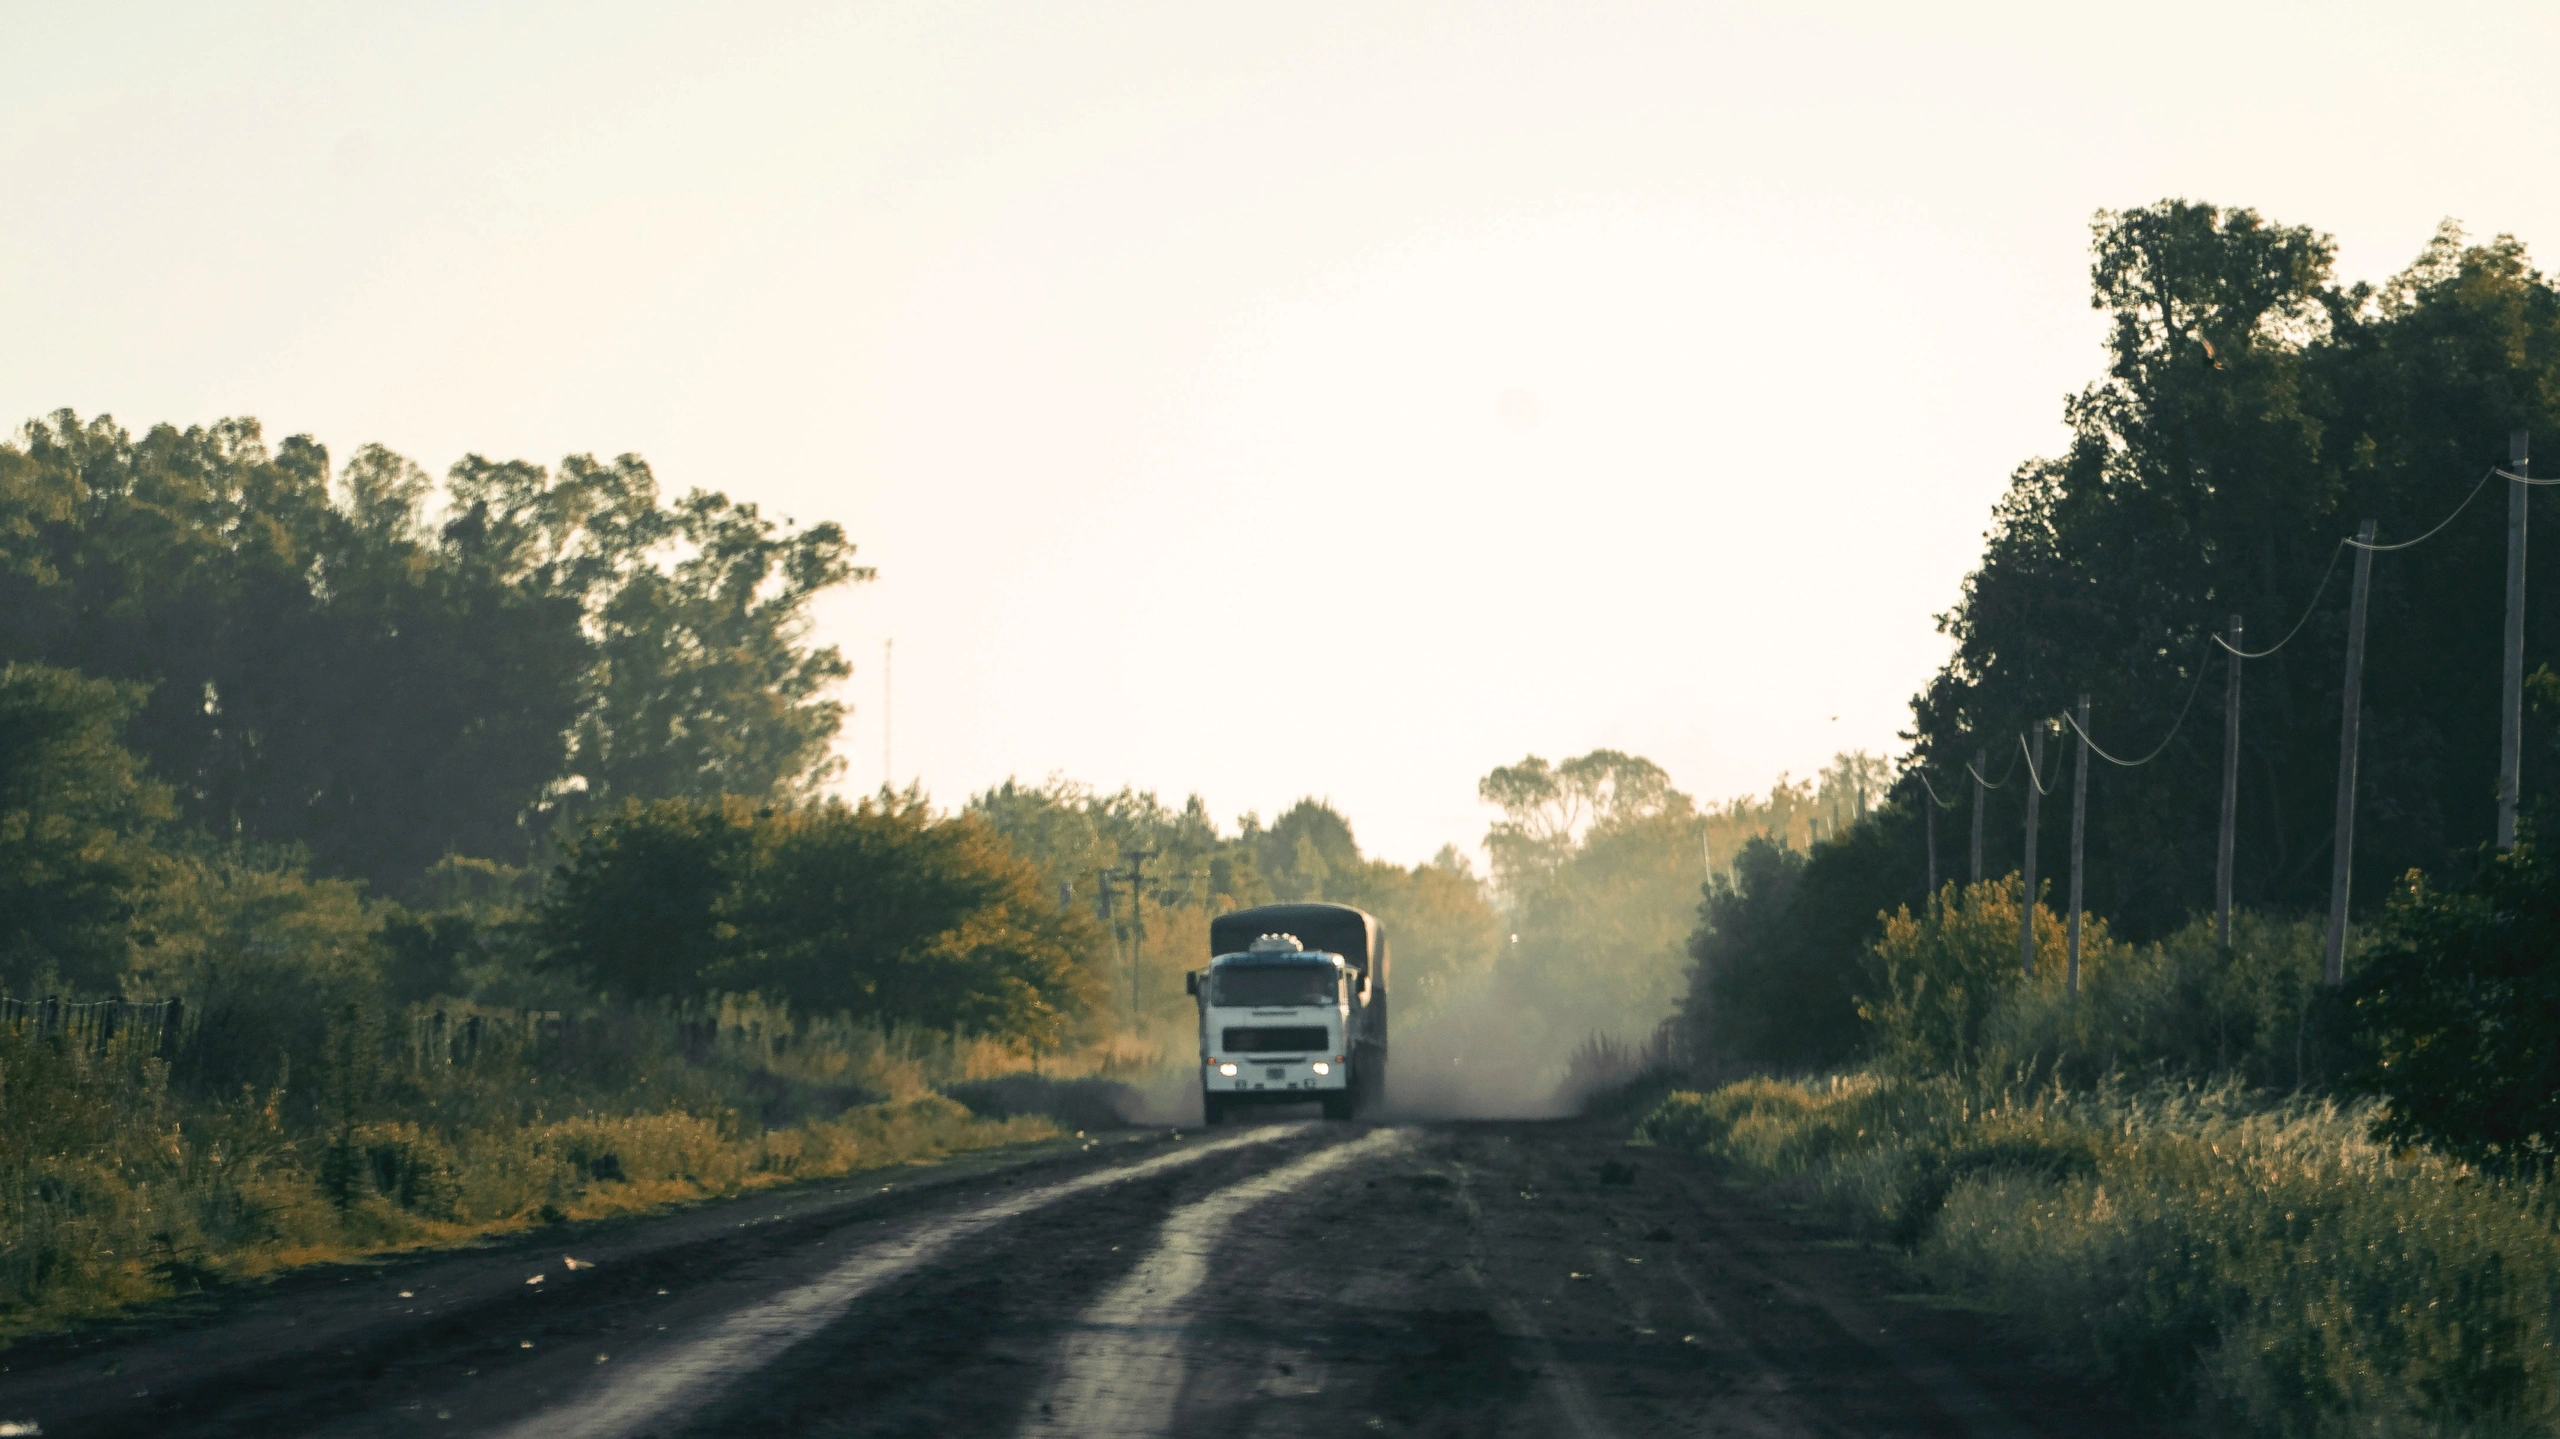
x=691, y=1375
x=1121, y=1372
x=1561, y=1381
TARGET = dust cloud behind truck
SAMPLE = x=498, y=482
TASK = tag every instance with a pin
x=1293, y=1009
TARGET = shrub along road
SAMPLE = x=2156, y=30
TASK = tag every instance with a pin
x=1275, y=1279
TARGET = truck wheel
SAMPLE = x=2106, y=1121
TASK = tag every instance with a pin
x=1213, y=1109
x=1337, y=1106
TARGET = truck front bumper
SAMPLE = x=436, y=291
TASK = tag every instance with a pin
x=1274, y=1078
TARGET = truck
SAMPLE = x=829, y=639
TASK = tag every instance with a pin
x=1293, y=1010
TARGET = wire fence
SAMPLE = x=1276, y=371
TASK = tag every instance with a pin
x=424, y=1034
x=463, y=1034
x=98, y=1023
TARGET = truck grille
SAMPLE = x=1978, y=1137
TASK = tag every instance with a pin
x=1304, y=1039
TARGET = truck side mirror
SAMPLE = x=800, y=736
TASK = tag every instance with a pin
x=1364, y=990
x=1191, y=983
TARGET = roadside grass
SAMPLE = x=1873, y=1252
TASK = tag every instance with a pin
x=120, y=1185
x=2260, y=1266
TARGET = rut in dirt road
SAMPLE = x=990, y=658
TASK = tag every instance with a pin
x=1121, y=1373
x=694, y=1375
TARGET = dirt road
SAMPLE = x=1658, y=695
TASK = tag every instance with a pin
x=1279, y=1279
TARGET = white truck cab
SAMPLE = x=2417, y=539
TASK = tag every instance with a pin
x=1293, y=1009
x=1275, y=1025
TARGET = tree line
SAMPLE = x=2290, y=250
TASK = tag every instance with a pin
x=339, y=658
x=1578, y=929
x=2253, y=411
x=1150, y=875
x=286, y=735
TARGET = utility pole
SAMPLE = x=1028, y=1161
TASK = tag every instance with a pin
x=888, y=775
x=2351, y=706
x=2227, y=842
x=2027, y=872
x=1981, y=757
x=1103, y=880
x=1137, y=928
x=2079, y=827
x=2511, y=707
x=1929, y=807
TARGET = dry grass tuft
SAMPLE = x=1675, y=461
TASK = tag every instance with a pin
x=2263, y=1265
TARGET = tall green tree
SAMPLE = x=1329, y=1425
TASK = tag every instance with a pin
x=350, y=662
x=316, y=674
x=1074, y=832
x=703, y=681
x=1780, y=949
x=1308, y=853
x=643, y=903
x=1597, y=861
x=76, y=819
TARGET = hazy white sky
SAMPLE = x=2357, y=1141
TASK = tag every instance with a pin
x=1261, y=400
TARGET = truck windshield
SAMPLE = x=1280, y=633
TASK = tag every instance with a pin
x=1273, y=986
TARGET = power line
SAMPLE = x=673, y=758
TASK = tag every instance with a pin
x=1992, y=784
x=2032, y=778
x=2350, y=542
x=2439, y=529
x=2307, y=611
x=2363, y=542
x=2164, y=739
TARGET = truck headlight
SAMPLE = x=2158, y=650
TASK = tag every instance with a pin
x=1229, y=1070
x=1321, y=1067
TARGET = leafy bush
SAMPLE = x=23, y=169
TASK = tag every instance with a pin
x=1945, y=996
x=878, y=909
x=267, y=958
x=1941, y=981
x=642, y=903
x=2455, y=1006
